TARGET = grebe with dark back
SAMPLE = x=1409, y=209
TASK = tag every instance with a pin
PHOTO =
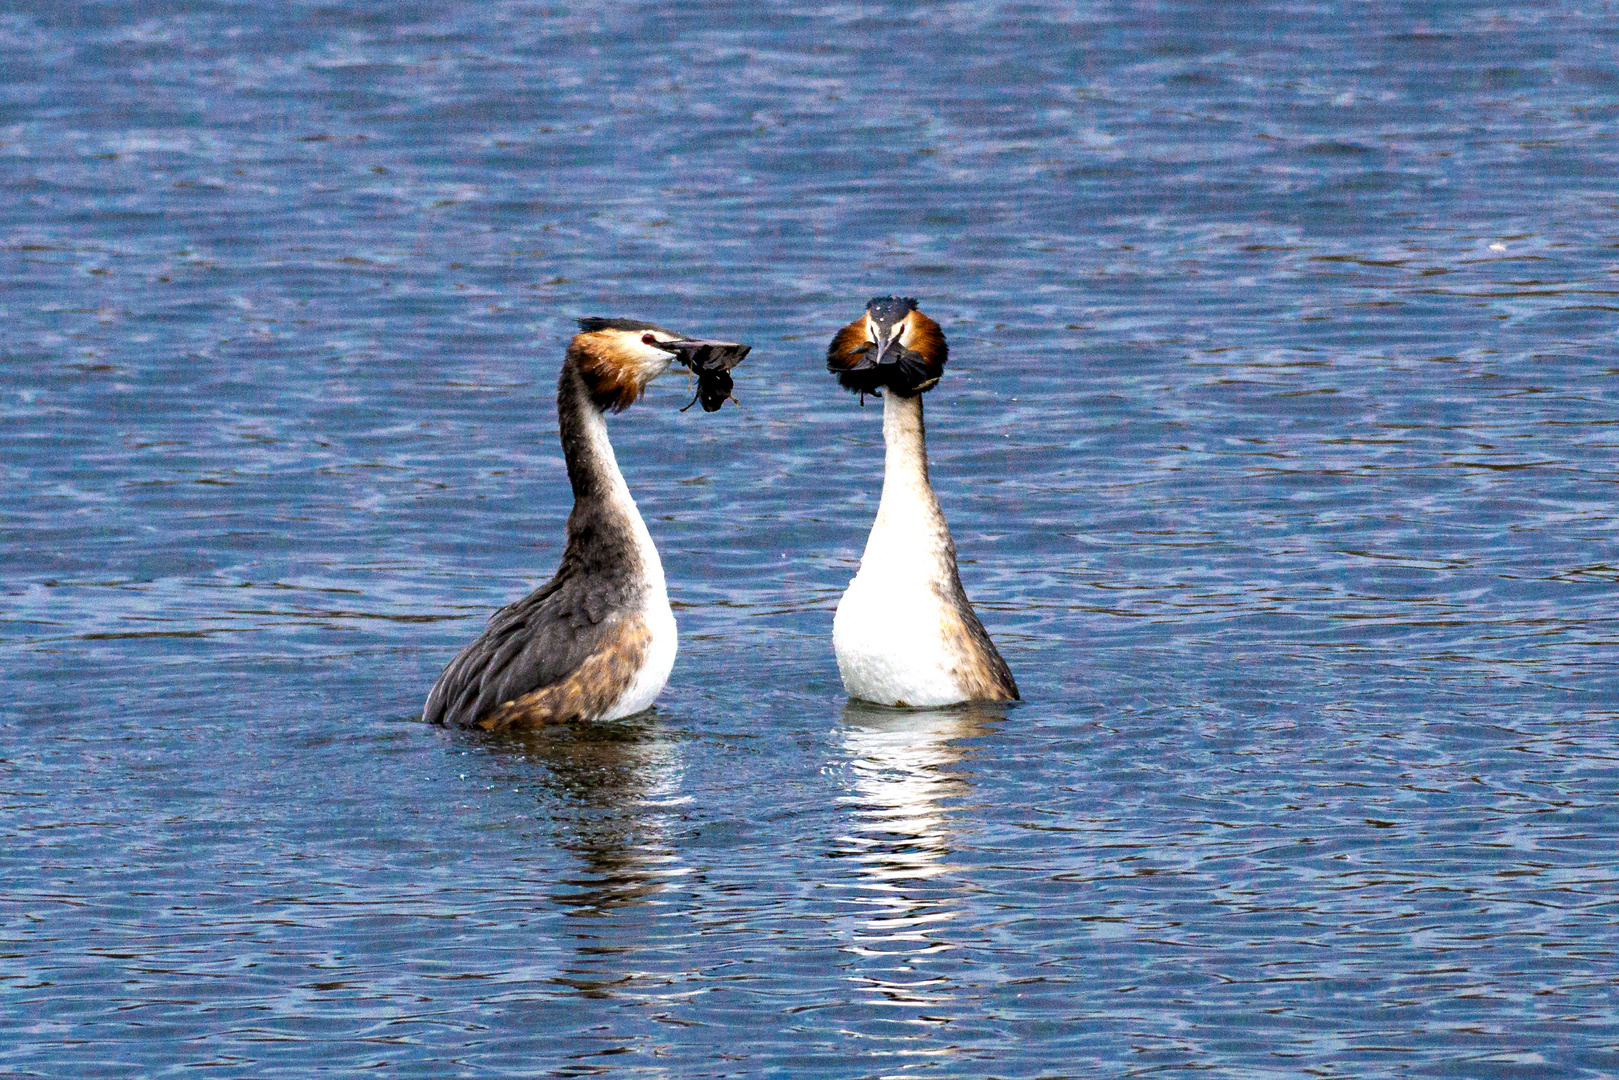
x=905, y=633
x=597, y=641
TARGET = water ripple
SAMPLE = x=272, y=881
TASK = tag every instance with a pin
x=1277, y=444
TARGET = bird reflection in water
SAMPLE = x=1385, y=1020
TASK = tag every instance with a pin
x=903, y=768
x=608, y=787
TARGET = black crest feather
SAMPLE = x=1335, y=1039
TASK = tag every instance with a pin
x=594, y=323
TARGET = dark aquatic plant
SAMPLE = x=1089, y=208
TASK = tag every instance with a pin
x=712, y=362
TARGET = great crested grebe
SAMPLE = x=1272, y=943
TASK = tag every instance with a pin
x=598, y=640
x=904, y=632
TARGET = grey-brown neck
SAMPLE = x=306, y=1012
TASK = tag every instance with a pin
x=606, y=535
x=592, y=467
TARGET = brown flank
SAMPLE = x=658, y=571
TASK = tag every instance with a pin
x=588, y=692
x=980, y=671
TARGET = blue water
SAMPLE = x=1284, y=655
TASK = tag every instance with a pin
x=1278, y=441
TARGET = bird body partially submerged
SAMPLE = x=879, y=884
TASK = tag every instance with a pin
x=597, y=641
x=904, y=632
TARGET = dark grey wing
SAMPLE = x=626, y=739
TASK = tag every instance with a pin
x=995, y=665
x=534, y=643
x=995, y=670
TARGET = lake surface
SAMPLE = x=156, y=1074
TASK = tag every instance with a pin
x=1278, y=441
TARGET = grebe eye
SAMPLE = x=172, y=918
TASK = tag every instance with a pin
x=648, y=339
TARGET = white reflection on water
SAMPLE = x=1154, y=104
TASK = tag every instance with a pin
x=903, y=775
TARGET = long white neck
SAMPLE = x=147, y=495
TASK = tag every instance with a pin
x=910, y=534
x=904, y=632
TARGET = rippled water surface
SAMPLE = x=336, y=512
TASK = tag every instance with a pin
x=1278, y=441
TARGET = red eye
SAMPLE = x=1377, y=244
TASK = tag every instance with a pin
x=648, y=339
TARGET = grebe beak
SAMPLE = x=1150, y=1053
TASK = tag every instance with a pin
x=883, y=350
x=888, y=349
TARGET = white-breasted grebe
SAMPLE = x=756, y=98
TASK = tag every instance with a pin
x=904, y=632
x=598, y=640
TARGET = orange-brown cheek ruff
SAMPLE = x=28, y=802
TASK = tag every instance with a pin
x=911, y=365
x=850, y=347
x=615, y=377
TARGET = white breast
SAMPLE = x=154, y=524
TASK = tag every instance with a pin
x=897, y=640
x=660, y=657
x=655, y=612
x=660, y=622
x=890, y=640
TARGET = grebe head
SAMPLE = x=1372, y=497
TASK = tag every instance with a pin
x=617, y=358
x=892, y=345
